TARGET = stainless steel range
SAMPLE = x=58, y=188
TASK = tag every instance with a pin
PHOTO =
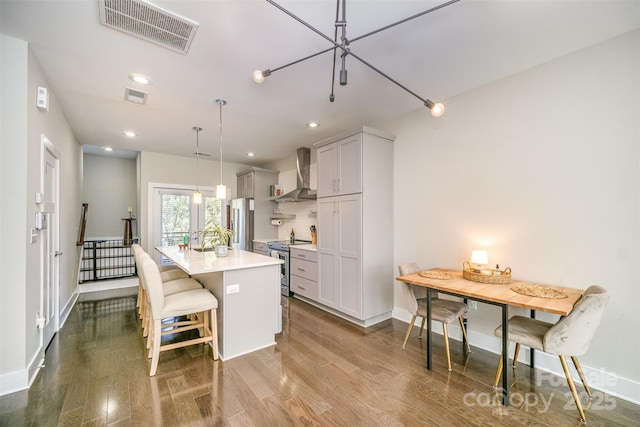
x=280, y=249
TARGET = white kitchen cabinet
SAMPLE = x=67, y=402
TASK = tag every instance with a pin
x=339, y=253
x=355, y=228
x=303, y=273
x=260, y=248
x=340, y=167
x=255, y=183
x=245, y=185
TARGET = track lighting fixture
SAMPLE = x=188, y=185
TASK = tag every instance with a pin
x=342, y=48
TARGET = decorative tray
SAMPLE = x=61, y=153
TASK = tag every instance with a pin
x=496, y=277
x=440, y=275
x=540, y=291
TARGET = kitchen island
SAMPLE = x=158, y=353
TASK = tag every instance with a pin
x=247, y=286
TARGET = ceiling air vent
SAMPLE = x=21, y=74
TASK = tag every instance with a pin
x=134, y=95
x=149, y=22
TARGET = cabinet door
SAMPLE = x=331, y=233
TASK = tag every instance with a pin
x=245, y=185
x=350, y=165
x=327, y=251
x=327, y=158
x=249, y=185
x=339, y=253
x=349, y=268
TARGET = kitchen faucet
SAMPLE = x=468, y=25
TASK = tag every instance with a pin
x=196, y=233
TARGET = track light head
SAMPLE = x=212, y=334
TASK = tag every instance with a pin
x=259, y=75
x=437, y=109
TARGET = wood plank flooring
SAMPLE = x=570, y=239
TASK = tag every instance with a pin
x=324, y=371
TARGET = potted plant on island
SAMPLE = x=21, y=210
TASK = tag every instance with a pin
x=216, y=236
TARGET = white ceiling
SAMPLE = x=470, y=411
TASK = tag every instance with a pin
x=439, y=55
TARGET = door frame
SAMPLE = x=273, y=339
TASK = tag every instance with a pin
x=53, y=229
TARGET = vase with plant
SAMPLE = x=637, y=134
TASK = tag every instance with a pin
x=216, y=236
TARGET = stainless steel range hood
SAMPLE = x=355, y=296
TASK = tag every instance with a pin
x=302, y=191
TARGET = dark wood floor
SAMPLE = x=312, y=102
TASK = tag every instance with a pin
x=323, y=371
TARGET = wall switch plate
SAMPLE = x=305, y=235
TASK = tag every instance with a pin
x=473, y=305
x=42, y=98
x=34, y=235
x=233, y=289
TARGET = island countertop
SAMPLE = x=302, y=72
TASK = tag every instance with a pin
x=195, y=262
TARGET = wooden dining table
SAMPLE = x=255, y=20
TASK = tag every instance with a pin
x=501, y=295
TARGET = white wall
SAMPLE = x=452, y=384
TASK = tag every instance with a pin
x=110, y=188
x=542, y=170
x=13, y=206
x=22, y=127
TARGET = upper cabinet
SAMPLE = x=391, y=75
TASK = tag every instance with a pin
x=340, y=167
x=255, y=183
x=245, y=184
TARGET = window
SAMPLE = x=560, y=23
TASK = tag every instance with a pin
x=176, y=216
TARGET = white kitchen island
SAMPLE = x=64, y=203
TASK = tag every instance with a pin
x=247, y=286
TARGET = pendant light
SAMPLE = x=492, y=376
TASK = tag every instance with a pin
x=197, y=196
x=221, y=189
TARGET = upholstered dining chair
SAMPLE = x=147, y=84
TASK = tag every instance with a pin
x=168, y=273
x=442, y=310
x=173, y=281
x=570, y=336
x=200, y=302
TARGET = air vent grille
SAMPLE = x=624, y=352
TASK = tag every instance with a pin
x=149, y=22
x=135, y=96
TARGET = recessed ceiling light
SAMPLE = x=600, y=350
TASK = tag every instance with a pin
x=108, y=149
x=251, y=154
x=140, y=78
x=130, y=133
x=312, y=125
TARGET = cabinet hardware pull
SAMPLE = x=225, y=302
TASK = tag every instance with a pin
x=301, y=269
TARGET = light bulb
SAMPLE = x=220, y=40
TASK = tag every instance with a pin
x=221, y=191
x=197, y=197
x=437, y=110
x=257, y=76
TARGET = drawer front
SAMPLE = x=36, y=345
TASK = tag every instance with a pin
x=302, y=268
x=260, y=247
x=304, y=287
x=302, y=254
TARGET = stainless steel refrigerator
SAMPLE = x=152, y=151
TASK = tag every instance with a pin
x=242, y=223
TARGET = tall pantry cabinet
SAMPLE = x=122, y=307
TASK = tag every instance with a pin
x=355, y=225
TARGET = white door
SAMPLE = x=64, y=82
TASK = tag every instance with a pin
x=175, y=216
x=50, y=254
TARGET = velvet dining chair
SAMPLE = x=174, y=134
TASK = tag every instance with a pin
x=570, y=336
x=442, y=310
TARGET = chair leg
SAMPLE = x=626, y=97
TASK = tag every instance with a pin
x=464, y=333
x=446, y=345
x=155, y=347
x=515, y=354
x=498, y=373
x=581, y=374
x=572, y=387
x=406, y=337
x=214, y=333
x=421, y=328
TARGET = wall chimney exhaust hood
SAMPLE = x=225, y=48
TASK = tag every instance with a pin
x=302, y=191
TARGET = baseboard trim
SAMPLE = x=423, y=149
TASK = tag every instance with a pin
x=107, y=285
x=66, y=310
x=364, y=323
x=599, y=379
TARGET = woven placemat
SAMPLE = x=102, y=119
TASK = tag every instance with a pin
x=539, y=291
x=440, y=275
